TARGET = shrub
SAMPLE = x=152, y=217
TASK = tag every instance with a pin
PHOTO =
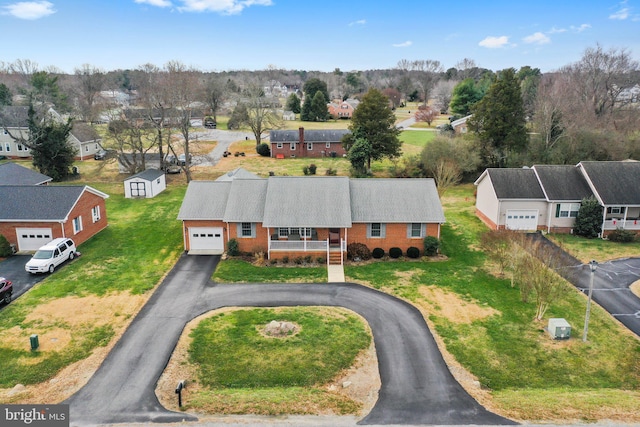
x=264, y=150
x=5, y=247
x=377, y=253
x=431, y=245
x=285, y=260
x=308, y=259
x=395, y=252
x=621, y=235
x=320, y=260
x=358, y=250
x=413, y=252
x=305, y=170
x=312, y=168
x=298, y=260
x=331, y=172
x=233, y=248
x=589, y=220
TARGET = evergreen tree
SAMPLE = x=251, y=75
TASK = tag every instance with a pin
x=5, y=95
x=589, y=219
x=465, y=95
x=374, y=122
x=319, y=111
x=312, y=86
x=358, y=155
x=499, y=121
x=52, y=152
x=306, y=113
x=293, y=103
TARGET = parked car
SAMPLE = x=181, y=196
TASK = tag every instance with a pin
x=51, y=255
x=209, y=123
x=6, y=290
x=182, y=159
x=100, y=155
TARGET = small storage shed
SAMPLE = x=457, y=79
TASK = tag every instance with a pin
x=145, y=185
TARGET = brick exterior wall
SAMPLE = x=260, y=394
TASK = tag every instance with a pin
x=319, y=150
x=81, y=209
x=395, y=236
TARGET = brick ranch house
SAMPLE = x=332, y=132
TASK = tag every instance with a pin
x=343, y=109
x=38, y=214
x=307, y=143
x=548, y=197
x=317, y=216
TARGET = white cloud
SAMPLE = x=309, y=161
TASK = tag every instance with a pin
x=29, y=9
x=622, y=14
x=158, y=3
x=555, y=30
x=581, y=28
x=403, y=44
x=358, y=22
x=494, y=42
x=225, y=7
x=537, y=38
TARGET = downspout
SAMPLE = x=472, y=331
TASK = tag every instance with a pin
x=62, y=228
x=184, y=236
x=549, y=218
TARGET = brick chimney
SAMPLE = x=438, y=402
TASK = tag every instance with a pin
x=301, y=136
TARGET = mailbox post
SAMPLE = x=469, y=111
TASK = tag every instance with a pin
x=179, y=388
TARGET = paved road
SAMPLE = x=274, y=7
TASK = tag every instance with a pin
x=611, y=283
x=417, y=387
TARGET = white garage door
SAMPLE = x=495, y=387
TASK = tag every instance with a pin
x=30, y=239
x=522, y=219
x=206, y=240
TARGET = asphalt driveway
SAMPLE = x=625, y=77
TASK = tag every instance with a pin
x=12, y=269
x=417, y=387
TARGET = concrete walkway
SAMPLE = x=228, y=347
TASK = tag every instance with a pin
x=335, y=273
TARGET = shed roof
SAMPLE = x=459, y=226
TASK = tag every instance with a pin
x=147, y=175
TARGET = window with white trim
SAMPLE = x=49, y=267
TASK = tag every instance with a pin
x=415, y=230
x=309, y=146
x=616, y=210
x=8, y=146
x=86, y=148
x=247, y=229
x=327, y=145
x=376, y=230
x=77, y=224
x=21, y=147
x=567, y=210
x=279, y=145
x=292, y=145
x=95, y=213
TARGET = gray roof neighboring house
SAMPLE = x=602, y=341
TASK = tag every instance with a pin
x=311, y=136
x=614, y=183
x=84, y=132
x=15, y=174
x=562, y=182
x=40, y=202
x=514, y=183
x=395, y=200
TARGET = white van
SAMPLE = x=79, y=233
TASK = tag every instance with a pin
x=51, y=255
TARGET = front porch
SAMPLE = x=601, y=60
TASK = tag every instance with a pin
x=625, y=217
x=306, y=241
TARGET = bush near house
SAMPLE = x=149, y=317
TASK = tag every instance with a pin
x=377, y=253
x=431, y=246
x=621, y=235
x=413, y=252
x=395, y=252
x=358, y=250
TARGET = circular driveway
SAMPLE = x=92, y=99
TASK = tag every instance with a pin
x=417, y=387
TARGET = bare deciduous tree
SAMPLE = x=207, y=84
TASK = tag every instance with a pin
x=427, y=73
x=262, y=116
x=92, y=81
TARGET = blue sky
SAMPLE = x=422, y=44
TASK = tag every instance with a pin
x=221, y=35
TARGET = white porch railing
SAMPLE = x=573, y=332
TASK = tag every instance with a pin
x=629, y=224
x=298, y=245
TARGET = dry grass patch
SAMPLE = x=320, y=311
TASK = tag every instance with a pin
x=635, y=288
x=452, y=307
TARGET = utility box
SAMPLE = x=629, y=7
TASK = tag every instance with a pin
x=559, y=329
x=34, y=342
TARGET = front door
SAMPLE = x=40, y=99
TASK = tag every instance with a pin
x=334, y=237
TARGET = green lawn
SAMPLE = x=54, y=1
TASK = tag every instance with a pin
x=598, y=249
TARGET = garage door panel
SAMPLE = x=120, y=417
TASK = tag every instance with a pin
x=30, y=239
x=522, y=219
x=206, y=240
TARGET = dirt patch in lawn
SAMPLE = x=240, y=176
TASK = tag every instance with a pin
x=55, y=322
x=454, y=308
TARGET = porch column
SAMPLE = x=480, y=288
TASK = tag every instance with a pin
x=604, y=219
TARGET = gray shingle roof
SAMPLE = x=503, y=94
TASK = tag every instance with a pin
x=395, y=200
x=39, y=202
x=15, y=174
x=325, y=202
x=238, y=173
x=205, y=200
x=246, y=200
x=617, y=183
x=84, y=132
x=147, y=175
x=515, y=183
x=317, y=136
x=307, y=202
x=562, y=182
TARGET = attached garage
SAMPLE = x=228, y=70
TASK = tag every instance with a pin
x=522, y=219
x=30, y=239
x=206, y=240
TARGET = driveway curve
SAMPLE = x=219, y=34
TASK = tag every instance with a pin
x=417, y=387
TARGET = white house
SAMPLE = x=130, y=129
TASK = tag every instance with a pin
x=145, y=185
